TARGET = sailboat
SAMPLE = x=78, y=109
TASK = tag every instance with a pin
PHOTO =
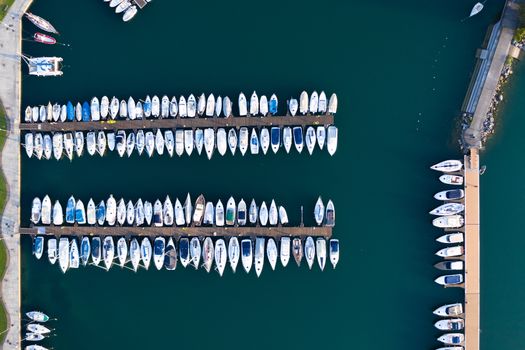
x=195, y=252
x=85, y=250
x=246, y=254
x=476, y=9
x=232, y=140
x=52, y=250
x=184, y=252
x=263, y=214
x=207, y=253
x=170, y=256
x=179, y=214
x=74, y=257
x=122, y=251
x=41, y=23
x=108, y=251
x=220, y=256
x=199, y=140
x=145, y=252
x=285, y=251
x=188, y=141
x=219, y=214
x=221, y=141
x=233, y=253
x=134, y=254
x=271, y=252
x=254, y=142
x=259, y=255
x=159, y=246
x=264, y=140
x=297, y=250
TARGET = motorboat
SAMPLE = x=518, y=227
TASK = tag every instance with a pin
x=264, y=140
x=198, y=214
x=293, y=105
x=80, y=213
x=188, y=210
x=219, y=214
x=145, y=252
x=134, y=254
x=246, y=254
x=33, y=337
x=174, y=107
x=319, y=211
x=122, y=251
x=449, y=310
x=199, y=140
x=451, y=251
x=451, y=238
x=52, y=250
x=259, y=255
x=38, y=246
x=243, y=109
x=132, y=111
x=476, y=9
x=188, y=141
x=123, y=108
x=332, y=104
x=159, y=246
x=165, y=107
x=451, y=324
x=230, y=212
x=220, y=256
x=334, y=252
x=297, y=250
x=195, y=252
x=209, y=214
x=91, y=143
x=273, y=215
x=85, y=250
x=450, y=265
x=79, y=143
x=179, y=214
x=123, y=6
x=91, y=216
x=130, y=13
x=169, y=141
x=254, y=104
x=104, y=107
x=170, y=256
x=222, y=145
x=158, y=215
x=210, y=106
x=130, y=144
x=287, y=138
x=28, y=144
x=283, y=216
x=140, y=142
x=310, y=137
x=155, y=107
x=108, y=251
x=37, y=316
x=35, y=347
x=74, y=256
x=39, y=145
x=309, y=251
x=207, y=254
x=233, y=252
x=183, y=110
x=451, y=179
x=111, y=211
x=263, y=214
x=45, y=215
x=253, y=212
x=159, y=142
x=70, y=210
x=448, y=209
x=449, y=280
x=168, y=212
x=243, y=139
x=451, y=221
x=450, y=195
x=96, y=250
x=241, y=213
x=298, y=138
x=149, y=143
x=139, y=213
x=95, y=109
x=148, y=213
x=329, y=218
x=313, y=106
x=58, y=145
x=201, y=105
x=179, y=142
x=322, y=103
x=184, y=252
x=112, y=140
x=86, y=112
x=121, y=212
x=139, y=111
x=38, y=328
x=69, y=145
x=191, y=106
x=232, y=140
x=448, y=166
x=331, y=139
x=254, y=142
x=320, y=248
x=209, y=141
x=28, y=115
x=271, y=252
x=114, y=107
x=273, y=105
x=275, y=138
x=120, y=140
x=263, y=105
x=452, y=339
x=284, y=252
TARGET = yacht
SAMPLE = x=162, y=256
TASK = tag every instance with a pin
x=309, y=251
x=271, y=252
x=451, y=221
x=85, y=250
x=449, y=280
x=147, y=107
x=329, y=218
x=108, y=251
x=263, y=214
x=275, y=138
x=449, y=310
x=159, y=246
x=63, y=254
x=207, y=254
x=246, y=254
x=52, y=250
x=114, y=107
x=259, y=255
x=284, y=252
x=74, y=256
x=451, y=238
x=310, y=139
x=450, y=265
x=448, y=166
x=334, y=252
x=331, y=139
x=451, y=251
x=134, y=254
x=287, y=138
x=233, y=252
x=451, y=179
x=219, y=214
x=241, y=213
x=451, y=324
x=122, y=251
x=320, y=247
x=298, y=138
x=450, y=195
x=297, y=250
x=39, y=145
x=220, y=256
x=243, y=140
x=254, y=142
x=184, y=252
x=264, y=140
x=448, y=209
x=170, y=255
x=195, y=252
x=452, y=339
x=145, y=252
x=96, y=250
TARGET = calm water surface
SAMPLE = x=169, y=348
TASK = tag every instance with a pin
x=400, y=69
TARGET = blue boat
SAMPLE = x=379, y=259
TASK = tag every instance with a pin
x=38, y=246
x=275, y=138
x=85, y=250
x=101, y=213
x=70, y=210
x=146, y=106
x=86, y=110
x=298, y=138
x=273, y=104
x=70, y=111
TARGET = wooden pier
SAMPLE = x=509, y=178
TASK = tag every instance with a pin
x=178, y=232
x=187, y=123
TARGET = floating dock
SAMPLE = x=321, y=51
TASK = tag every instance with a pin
x=187, y=123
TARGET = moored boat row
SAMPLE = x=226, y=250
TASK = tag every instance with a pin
x=166, y=252
x=127, y=7
x=180, y=141
x=35, y=331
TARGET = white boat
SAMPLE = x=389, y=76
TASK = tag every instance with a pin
x=168, y=212
x=28, y=114
x=191, y=106
x=314, y=103
x=451, y=179
x=121, y=212
x=174, y=110
x=158, y=215
x=139, y=110
x=38, y=145
x=209, y=141
x=233, y=252
x=35, y=346
x=210, y=105
x=271, y=252
x=169, y=141
x=95, y=109
x=232, y=140
x=283, y=216
x=149, y=143
x=188, y=141
x=111, y=141
x=253, y=212
x=111, y=210
x=52, y=250
x=184, y=252
x=448, y=166
x=331, y=139
x=155, y=107
x=329, y=217
x=219, y=214
x=287, y=138
x=123, y=6
x=101, y=143
x=183, y=110
x=91, y=143
x=58, y=148
x=170, y=256
x=320, y=247
x=158, y=252
x=334, y=252
x=254, y=142
x=243, y=139
x=451, y=221
x=179, y=142
x=139, y=213
x=254, y=104
x=285, y=251
x=322, y=103
x=38, y=328
x=188, y=210
x=28, y=144
x=96, y=250
x=450, y=265
x=122, y=251
x=246, y=254
x=148, y=213
x=80, y=213
x=263, y=105
x=145, y=252
x=452, y=339
x=449, y=310
x=259, y=255
x=451, y=324
x=45, y=214
x=241, y=213
x=108, y=251
x=79, y=143
x=451, y=238
x=165, y=107
x=48, y=148
x=114, y=107
x=207, y=254
x=319, y=211
x=209, y=214
x=134, y=254
x=264, y=140
x=220, y=256
x=221, y=141
x=91, y=217
x=273, y=215
x=120, y=139
x=310, y=139
x=309, y=251
x=104, y=107
x=226, y=107
x=243, y=109
x=195, y=252
x=123, y=109
x=159, y=142
x=140, y=141
x=451, y=251
x=33, y=337
x=201, y=105
x=448, y=195
x=476, y=9
x=130, y=213
x=74, y=256
x=63, y=254
x=448, y=209
x=332, y=104
x=293, y=106
x=198, y=214
x=132, y=111
x=179, y=214
x=263, y=214
x=199, y=140
x=230, y=212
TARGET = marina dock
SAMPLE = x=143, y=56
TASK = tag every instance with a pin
x=188, y=123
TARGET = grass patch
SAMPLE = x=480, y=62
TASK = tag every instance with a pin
x=520, y=34
x=3, y=197
x=4, y=7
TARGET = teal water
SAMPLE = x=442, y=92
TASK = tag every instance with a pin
x=400, y=70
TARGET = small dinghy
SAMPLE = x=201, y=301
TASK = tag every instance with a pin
x=121, y=212
x=188, y=141
x=331, y=140
x=451, y=221
x=254, y=104
x=195, y=252
x=232, y=140
x=38, y=246
x=45, y=215
x=85, y=250
x=74, y=256
x=297, y=250
x=451, y=238
x=169, y=142
x=201, y=105
x=259, y=255
x=230, y=212
x=246, y=254
x=207, y=254
x=209, y=214
x=80, y=213
x=70, y=210
x=111, y=210
x=158, y=215
x=451, y=251
x=198, y=214
x=241, y=213
x=52, y=250
x=227, y=107
x=145, y=252
x=253, y=212
x=58, y=143
x=170, y=256
x=451, y=179
x=219, y=214
x=183, y=110
x=220, y=256
x=450, y=195
x=188, y=210
x=134, y=254
x=271, y=252
x=285, y=251
x=275, y=138
x=263, y=214
x=91, y=215
x=450, y=265
x=329, y=218
x=233, y=253
x=449, y=310
x=452, y=324
x=179, y=142
x=309, y=251
x=243, y=109
x=174, y=107
x=221, y=141
x=254, y=142
x=243, y=139
x=283, y=216
x=448, y=166
x=199, y=140
x=63, y=254
x=210, y=106
x=184, y=251
x=108, y=251
x=159, y=142
x=448, y=209
x=209, y=141
x=96, y=250
x=192, y=106
x=273, y=215
x=159, y=245
x=334, y=252
x=320, y=248
x=310, y=137
x=150, y=143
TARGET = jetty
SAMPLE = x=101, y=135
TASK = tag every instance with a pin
x=187, y=123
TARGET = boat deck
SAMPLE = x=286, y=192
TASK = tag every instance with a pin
x=188, y=123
